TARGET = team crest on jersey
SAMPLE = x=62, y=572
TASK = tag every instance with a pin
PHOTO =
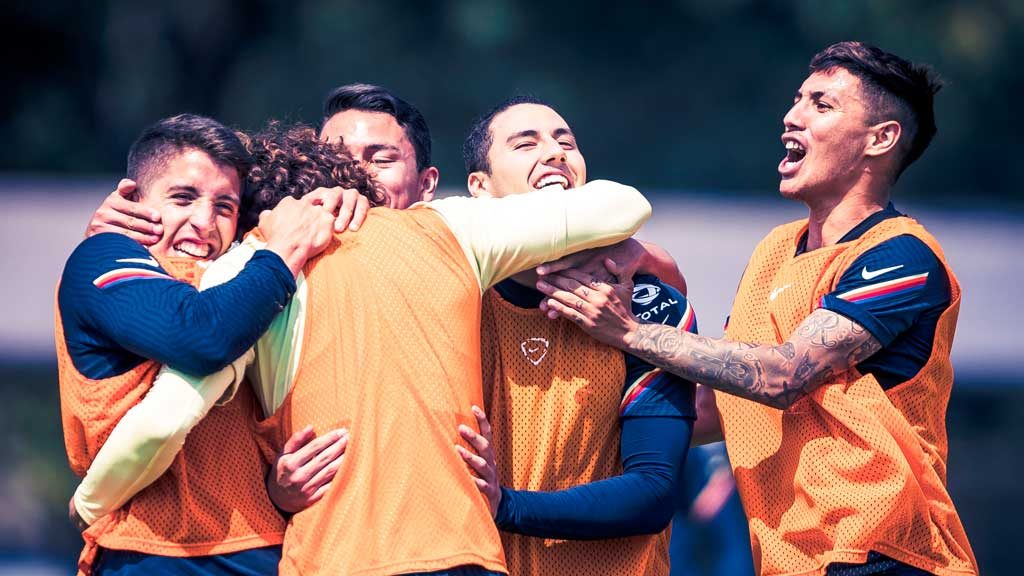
x=644, y=294
x=535, y=349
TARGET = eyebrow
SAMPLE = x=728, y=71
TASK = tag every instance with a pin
x=522, y=134
x=816, y=95
x=374, y=148
x=233, y=198
x=534, y=134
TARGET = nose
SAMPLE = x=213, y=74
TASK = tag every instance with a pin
x=553, y=152
x=791, y=121
x=203, y=217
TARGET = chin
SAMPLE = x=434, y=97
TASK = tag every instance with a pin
x=789, y=190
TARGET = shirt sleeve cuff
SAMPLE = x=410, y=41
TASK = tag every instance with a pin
x=858, y=314
x=275, y=263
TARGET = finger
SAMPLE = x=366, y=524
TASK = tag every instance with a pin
x=315, y=447
x=567, y=298
x=325, y=457
x=359, y=216
x=562, y=263
x=478, y=442
x=122, y=229
x=119, y=217
x=121, y=201
x=331, y=199
x=482, y=423
x=564, y=283
x=478, y=464
x=583, y=278
x=318, y=495
x=298, y=440
x=126, y=187
x=348, y=207
x=324, y=476
x=614, y=269
x=482, y=485
x=567, y=312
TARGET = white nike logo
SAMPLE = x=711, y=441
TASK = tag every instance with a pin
x=865, y=274
x=776, y=291
x=146, y=261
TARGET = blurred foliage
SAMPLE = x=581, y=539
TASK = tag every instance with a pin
x=664, y=94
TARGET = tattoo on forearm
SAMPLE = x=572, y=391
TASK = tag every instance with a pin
x=777, y=375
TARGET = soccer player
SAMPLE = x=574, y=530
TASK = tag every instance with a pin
x=124, y=310
x=555, y=397
x=382, y=337
x=834, y=374
x=388, y=135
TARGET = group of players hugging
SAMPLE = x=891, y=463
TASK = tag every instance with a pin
x=278, y=353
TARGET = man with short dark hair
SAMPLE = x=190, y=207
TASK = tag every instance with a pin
x=388, y=135
x=588, y=442
x=833, y=379
x=124, y=310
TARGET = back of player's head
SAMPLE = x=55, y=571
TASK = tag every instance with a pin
x=478, y=141
x=160, y=142
x=371, y=98
x=293, y=161
x=895, y=90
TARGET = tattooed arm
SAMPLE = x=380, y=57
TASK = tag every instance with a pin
x=825, y=343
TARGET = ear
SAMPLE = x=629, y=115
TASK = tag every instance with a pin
x=479, y=184
x=883, y=138
x=428, y=183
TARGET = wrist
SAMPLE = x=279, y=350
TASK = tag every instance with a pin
x=293, y=256
x=275, y=497
x=631, y=336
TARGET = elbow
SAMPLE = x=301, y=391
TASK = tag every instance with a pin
x=630, y=209
x=151, y=434
x=658, y=517
x=783, y=393
x=205, y=358
x=654, y=515
x=639, y=208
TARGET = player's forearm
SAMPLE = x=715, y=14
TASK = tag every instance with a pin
x=146, y=440
x=641, y=506
x=767, y=374
x=639, y=501
x=600, y=214
x=501, y=237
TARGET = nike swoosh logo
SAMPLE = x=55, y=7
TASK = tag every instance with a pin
x=776, y=291
x=146, y=261
x=871, y=275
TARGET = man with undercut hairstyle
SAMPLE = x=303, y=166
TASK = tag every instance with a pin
x=123, y=311
x=833, y=377
x=388, y=135
x=582, y=444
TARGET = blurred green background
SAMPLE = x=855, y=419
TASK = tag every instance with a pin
x=665, y=93
x=681, y=95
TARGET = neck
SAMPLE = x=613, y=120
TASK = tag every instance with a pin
x=831, y=218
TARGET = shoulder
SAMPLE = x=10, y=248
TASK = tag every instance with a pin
x=904, y=258
x=656, y=302
x=107, y=259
